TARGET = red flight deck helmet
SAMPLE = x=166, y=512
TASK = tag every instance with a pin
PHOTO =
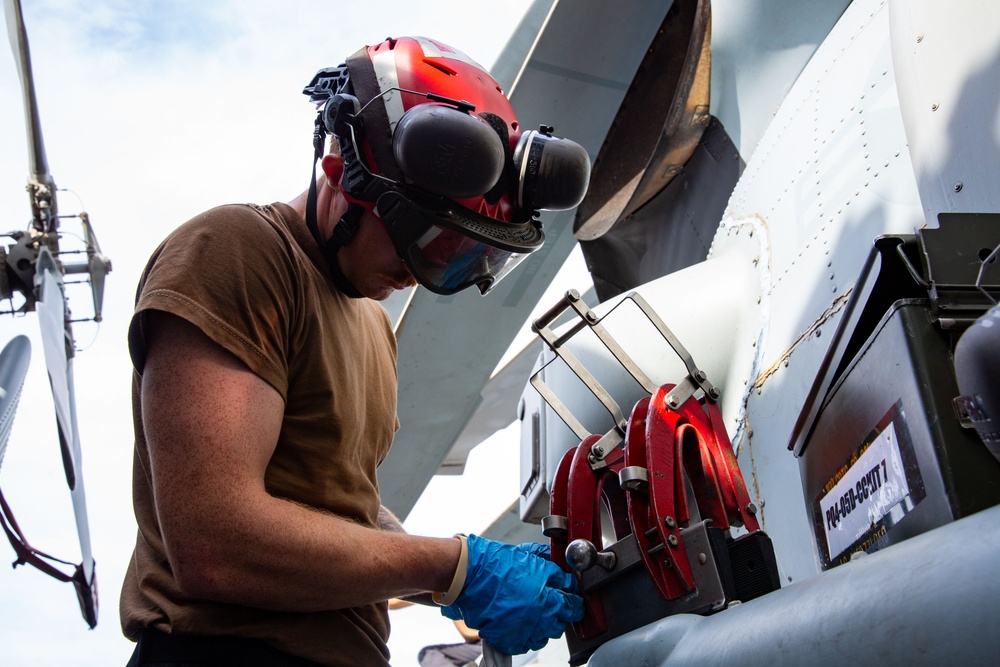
x=431, y=145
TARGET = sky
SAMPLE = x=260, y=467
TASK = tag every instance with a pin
x=152, y=111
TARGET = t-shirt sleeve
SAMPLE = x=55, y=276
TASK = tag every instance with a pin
x=228, y=272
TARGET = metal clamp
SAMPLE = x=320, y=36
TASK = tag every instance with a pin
x=695, y=380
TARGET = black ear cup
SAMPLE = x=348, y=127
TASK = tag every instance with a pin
x=448, y=152
x=553, y=173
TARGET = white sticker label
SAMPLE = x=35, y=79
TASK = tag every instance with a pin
x=870, y=488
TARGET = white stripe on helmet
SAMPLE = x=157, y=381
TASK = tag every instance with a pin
x=384, y=63
x=433, y=50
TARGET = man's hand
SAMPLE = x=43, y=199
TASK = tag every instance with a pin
x=515, y=596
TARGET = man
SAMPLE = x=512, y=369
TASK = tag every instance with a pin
x=264, y=391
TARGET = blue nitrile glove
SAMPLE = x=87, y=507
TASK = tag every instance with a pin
x=515, y=596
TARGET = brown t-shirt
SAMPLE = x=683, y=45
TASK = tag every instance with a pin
x=253, y=280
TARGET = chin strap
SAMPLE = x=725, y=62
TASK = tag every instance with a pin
x=346, y=226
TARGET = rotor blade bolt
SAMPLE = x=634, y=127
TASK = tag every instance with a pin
x=672, y=540
x=700, y=376
x=669, y=520
x=751, y=509
x=591, y=316
x=598, y=451
x=714, y=392
x=672, y=402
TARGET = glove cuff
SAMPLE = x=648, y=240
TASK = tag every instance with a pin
x=458, y=582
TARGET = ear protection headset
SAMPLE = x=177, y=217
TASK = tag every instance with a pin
x=458, y=191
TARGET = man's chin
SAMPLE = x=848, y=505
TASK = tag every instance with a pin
x=383, y=293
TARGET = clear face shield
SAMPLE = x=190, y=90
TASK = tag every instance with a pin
x=449, y=248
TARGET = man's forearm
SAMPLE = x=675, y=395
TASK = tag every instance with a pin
x=389, y=522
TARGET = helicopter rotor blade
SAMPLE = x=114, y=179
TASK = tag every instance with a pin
x=57, y=345
x=41, y=185
x=13, y=369
x=19, y=45
x=57, y=342
x=49, y=300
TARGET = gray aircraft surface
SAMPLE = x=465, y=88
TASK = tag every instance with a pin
x=790, y=230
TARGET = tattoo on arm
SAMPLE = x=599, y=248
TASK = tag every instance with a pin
x=388, y=521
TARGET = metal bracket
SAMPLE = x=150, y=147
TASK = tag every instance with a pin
x=695, y=380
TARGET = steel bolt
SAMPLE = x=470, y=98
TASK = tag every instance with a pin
x=751, y=509
x=958, y=186
x=702, y=558
x=672, y=540
x=669, y=520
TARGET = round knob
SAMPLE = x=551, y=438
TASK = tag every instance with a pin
x=583, y=555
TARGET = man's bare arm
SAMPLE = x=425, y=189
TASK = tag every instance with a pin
x=211, y=426
x=388, y=521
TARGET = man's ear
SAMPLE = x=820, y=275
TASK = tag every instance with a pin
x=333, y=168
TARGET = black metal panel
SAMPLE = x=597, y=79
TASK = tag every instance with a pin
x=903, y=376
x=675, y=229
